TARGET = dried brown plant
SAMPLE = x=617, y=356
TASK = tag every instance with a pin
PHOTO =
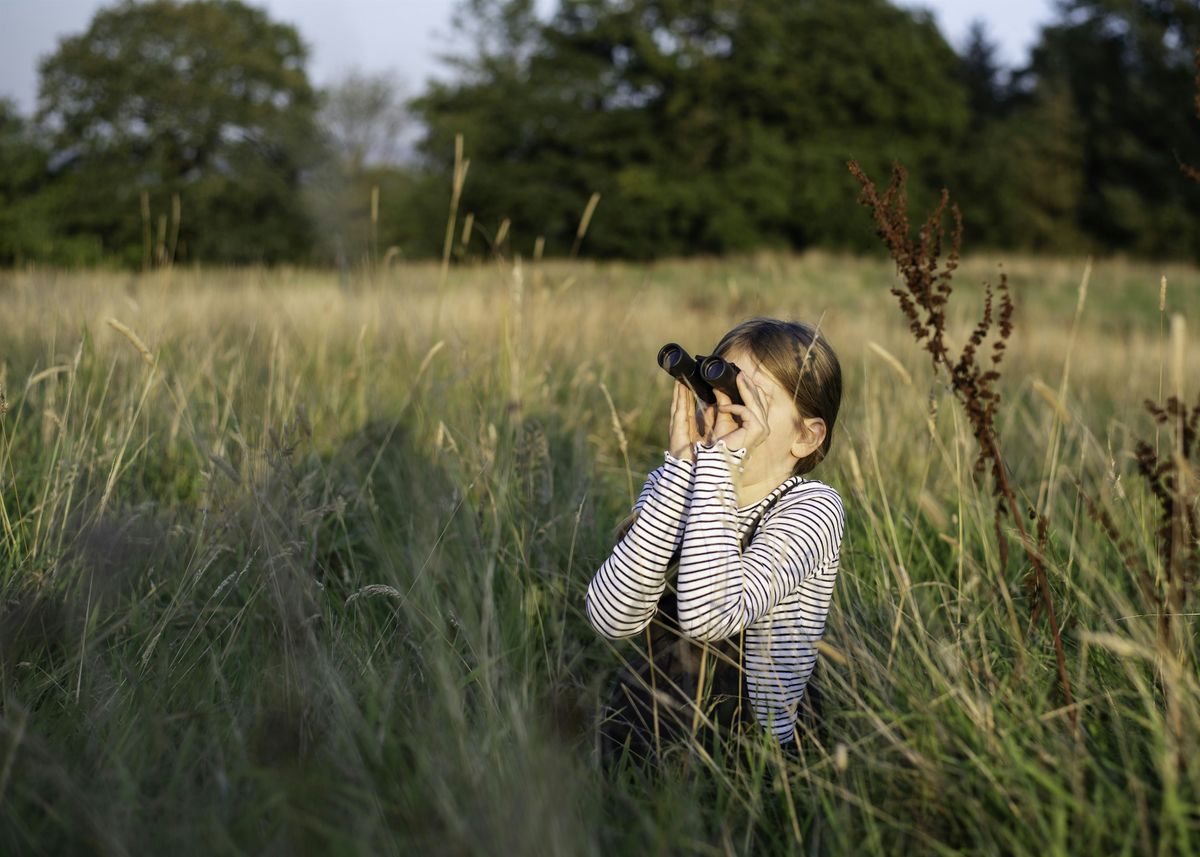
x=923, y=297
x=1173, y=482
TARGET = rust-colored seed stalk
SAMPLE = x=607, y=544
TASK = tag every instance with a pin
x=923, y=295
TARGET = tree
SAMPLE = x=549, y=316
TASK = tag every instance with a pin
x=365, y=116
x=1126, y=66
x=23, y=230
x=981, y=72
x=208, y=100
x=499, y=108
x=706, y=125
x=363, y=200
x=1042, y=151
x=503, y=36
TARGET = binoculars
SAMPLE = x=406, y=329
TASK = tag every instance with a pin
x=701, y=374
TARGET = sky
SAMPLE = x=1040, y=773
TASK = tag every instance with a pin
x=405, y=36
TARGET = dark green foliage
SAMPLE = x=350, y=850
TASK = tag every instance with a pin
x=24, y=223
x=707, y=126
x=209, y=100
x=1126, y=68
x=980, y=72
x=712, y=126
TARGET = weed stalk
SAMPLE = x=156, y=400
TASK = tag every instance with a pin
x=923, y=301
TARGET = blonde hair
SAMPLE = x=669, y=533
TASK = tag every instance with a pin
x=799, y=357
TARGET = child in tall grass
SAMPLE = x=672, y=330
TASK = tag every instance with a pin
x=723, y=572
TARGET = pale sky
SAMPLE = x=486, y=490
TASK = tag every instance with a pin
x=406, y=35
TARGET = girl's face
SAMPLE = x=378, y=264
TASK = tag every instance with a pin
x=790, y=437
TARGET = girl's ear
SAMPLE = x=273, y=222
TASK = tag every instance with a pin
x=809, y=437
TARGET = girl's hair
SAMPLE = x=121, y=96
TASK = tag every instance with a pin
x=800, y=358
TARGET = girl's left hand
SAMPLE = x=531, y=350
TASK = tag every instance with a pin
x=742, y=425
x=689, y=424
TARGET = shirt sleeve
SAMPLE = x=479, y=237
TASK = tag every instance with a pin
x=651, y=480
x=723, y=590
x=623, y=594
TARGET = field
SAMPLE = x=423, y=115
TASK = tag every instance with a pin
x=295, y=563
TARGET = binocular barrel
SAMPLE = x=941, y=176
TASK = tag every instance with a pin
x=721, y=375
x=701, y=374
x=679, y=364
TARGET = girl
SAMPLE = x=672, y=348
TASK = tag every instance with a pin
x=750, y=545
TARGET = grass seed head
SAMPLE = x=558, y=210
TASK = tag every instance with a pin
x=134, y=340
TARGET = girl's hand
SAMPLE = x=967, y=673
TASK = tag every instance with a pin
x=742, y=425
x=689, y=423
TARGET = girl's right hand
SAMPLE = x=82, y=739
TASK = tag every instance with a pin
x=689, y=423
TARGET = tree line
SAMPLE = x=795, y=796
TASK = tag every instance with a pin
x=190, y=131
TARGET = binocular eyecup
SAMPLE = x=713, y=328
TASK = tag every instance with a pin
x=701, y=374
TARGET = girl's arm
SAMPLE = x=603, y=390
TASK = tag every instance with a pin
x=722, y=590
x=623, y=594
x=647, y=489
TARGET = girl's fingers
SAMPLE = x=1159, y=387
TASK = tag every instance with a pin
x=745, y=388
x=752, y=394
x=743, y=412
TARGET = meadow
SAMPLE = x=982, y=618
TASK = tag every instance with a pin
x=294, y=562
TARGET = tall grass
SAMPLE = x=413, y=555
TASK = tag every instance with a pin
x=305, y=571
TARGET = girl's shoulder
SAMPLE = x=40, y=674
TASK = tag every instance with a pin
x=812, y=501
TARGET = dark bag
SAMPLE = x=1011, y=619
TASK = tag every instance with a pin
x=674, y=688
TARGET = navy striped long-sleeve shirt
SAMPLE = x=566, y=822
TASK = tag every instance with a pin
x=777, y=590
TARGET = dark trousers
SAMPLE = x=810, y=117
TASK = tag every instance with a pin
x=650, y=708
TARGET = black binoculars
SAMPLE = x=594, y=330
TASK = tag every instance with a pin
x=701, y=374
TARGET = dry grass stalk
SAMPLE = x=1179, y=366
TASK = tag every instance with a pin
x=622, y=442
x=373, y=589
x=160, y=248
x=461, y=165
x=923, y=298
x=49, y=372
x=134, y=340
x=891, y=360
x=586, y=219
x=176, y=217
x=146, y=242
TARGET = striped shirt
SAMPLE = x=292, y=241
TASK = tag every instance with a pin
x=777, y=591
